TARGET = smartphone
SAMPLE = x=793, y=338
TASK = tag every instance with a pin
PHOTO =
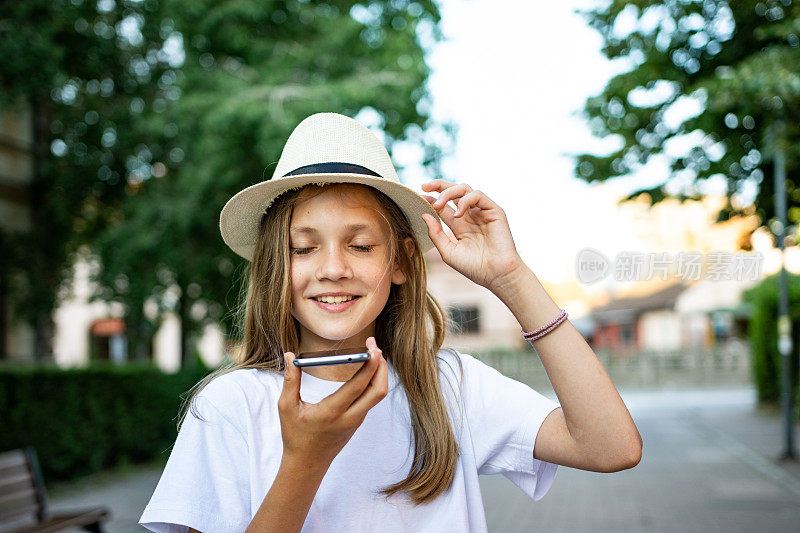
x=332, y=357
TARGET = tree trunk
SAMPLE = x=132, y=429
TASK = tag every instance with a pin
x=46, y=280
x=142, y=351
x=44, y=333
x=187, y=355
x=3, y=314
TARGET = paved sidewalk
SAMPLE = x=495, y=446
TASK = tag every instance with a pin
x=125, y=495
x=709, y=464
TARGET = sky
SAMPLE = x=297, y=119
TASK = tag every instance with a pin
x=513, y=75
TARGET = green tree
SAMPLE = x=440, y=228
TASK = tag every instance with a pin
x=739, y=61
x=251, y=71
x=88, y=70
x=766, y=360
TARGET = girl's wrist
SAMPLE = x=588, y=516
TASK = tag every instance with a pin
x=528, y=301
x=304, y=465
x=506, y=283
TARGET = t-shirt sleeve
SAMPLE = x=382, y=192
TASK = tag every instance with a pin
x=205, y=484
x=504, y=416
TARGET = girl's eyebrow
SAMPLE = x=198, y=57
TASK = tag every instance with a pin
x=313, y=231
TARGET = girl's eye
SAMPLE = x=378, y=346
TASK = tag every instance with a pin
x=361, y=248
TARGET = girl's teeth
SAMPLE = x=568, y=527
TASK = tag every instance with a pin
x=334, y=300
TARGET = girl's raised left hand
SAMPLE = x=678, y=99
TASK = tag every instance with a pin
x=482, y=249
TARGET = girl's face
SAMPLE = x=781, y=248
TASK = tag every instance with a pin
x=339, y=243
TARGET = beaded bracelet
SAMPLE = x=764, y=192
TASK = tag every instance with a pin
x=544, y=330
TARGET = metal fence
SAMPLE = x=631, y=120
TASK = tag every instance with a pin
x=724, y=365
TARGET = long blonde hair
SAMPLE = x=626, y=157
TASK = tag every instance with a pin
x=410, y=340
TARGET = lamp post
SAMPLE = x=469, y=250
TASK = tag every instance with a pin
x=784, y=322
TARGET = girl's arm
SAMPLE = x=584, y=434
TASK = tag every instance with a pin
x=593, y=429
x=286, y=505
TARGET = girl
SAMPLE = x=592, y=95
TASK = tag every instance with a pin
x=397, y=442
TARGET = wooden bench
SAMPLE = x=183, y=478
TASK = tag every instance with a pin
x=23, y=501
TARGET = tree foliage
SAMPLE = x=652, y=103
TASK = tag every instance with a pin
x=87, y=71
x=738, y=61
x=150, y=114
x=250, y=72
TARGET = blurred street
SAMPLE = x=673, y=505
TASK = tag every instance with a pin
x=709, y=465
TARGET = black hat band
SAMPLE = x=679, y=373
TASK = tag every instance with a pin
x=327, y=168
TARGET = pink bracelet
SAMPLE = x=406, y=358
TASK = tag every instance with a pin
x=544, y=330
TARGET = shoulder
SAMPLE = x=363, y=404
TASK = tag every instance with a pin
x=464, y=382
x=458, y=370
x=472, y=376
x=240, y=390
x=454, y=363
x=235, y=397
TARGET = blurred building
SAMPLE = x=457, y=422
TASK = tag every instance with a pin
x=663, y=315
x=639, y=322
x=713, y=311
x=96, y=331
x=16, y=175
x=697, y=314
x=477, y=318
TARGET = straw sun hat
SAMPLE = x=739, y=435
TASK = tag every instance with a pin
x=323, y=148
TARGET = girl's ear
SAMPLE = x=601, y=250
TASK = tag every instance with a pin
x=398, y=277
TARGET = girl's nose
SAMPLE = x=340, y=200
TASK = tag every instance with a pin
x=333, y=264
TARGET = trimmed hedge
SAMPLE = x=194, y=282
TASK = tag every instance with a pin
x=763, y=332
x=86, y=419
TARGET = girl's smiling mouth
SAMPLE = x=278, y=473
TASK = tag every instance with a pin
x=335, y=304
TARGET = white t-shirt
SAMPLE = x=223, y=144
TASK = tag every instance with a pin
x=220, y=469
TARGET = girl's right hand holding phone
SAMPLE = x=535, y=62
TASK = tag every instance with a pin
x=316, y=433
x=313, y=434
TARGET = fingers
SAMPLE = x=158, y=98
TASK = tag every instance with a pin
x=440, y=238
x=376, y=390
x=449, y=191
x=446, y=213
x=464, y=198
x=474, y=199
x=290, y=395
x=340, y=400
x=437, y=185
